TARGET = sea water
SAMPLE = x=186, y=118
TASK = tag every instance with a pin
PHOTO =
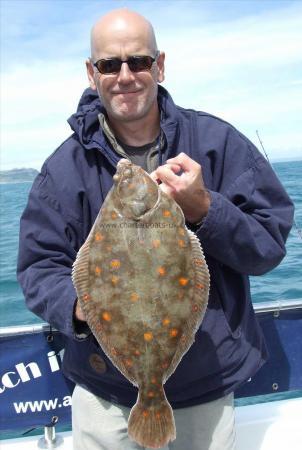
x=281, y=284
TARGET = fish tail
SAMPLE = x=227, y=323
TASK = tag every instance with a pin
x=151, y=424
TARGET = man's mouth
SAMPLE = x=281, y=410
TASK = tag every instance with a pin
x=127, y=92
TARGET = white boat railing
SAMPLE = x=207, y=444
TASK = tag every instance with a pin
x=260, y=308
x=276, y=306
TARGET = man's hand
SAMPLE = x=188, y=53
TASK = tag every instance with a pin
x=78, y=313
x=187, y=188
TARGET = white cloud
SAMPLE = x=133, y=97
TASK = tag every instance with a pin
x=218, y=51
x=245, y=72
x=42, y=90
x=36, y=105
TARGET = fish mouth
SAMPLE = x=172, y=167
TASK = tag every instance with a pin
x=137, y=193
x=123, y=163
x=123, y=170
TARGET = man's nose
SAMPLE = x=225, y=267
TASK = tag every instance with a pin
x=125, y=74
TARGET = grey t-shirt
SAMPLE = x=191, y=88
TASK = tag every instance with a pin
x=145, y=156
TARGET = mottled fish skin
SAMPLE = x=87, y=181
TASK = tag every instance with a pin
x=143, y=284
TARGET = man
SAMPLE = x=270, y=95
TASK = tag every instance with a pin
x=230, y=197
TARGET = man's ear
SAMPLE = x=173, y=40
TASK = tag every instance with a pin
x=161, y=67
x=90, y=74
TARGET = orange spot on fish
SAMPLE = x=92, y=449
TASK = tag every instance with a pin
x=181, y=243
x=137, y=352
x=151, y=394
x=199, y=286
x=181, y=231
x=158, y=415
x=128, y=363
x=155, y=243
x=165, y=365
x=98, y=237
x=166, y=213
x=183, y=281
x=98, y=270
x=106, y=316
x=198, y=262
x=113, y=215
x=115, y=263
x=113, y=351
x=161, y=271
x=114, y=280
x=174, y=332
x=134, y=297
x=145, y=413
x=153, y=380
x=166, y=321
x=86, y=297
x=148, y=336
x=195, y=308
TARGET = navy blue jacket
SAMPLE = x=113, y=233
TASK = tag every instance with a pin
x=244, y=234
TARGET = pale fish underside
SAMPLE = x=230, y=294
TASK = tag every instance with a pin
x=143, y=284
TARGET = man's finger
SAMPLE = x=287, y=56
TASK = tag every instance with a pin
x=186, y=163
x=154, y=176
x=167, y=176
x=79, y=312
x=174, y=167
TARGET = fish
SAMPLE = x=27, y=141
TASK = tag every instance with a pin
x=143, y=283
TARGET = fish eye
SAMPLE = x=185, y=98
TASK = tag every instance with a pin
x=127, y=172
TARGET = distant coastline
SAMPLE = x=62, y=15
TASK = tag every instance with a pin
x=18, y=175
x=285, y=160
x=28, y=174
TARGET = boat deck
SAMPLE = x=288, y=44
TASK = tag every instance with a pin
x=33, y=372
x=264, y=426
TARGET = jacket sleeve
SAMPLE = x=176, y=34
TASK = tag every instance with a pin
x=247, y=226
x=47, y=249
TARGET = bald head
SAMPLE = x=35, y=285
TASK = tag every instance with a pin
x=128, y=92
x=121, y=26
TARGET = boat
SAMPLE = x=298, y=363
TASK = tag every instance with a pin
x=36, y=397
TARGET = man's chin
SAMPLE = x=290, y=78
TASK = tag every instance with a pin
x=126, y=115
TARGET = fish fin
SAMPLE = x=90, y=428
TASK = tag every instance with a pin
x=79, y=275
x=80, y=267
x=199, y=303
x=202, y=278
x=152, y=426
x=80, y=279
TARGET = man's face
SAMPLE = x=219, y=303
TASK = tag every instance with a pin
x=127, y=96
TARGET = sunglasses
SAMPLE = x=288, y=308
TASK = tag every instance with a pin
x=135, y=64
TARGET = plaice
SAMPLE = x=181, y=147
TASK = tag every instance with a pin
x=143, y=283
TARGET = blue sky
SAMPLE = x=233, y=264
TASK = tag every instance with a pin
x=240, y=60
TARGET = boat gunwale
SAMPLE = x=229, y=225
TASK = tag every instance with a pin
x=260, y=308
